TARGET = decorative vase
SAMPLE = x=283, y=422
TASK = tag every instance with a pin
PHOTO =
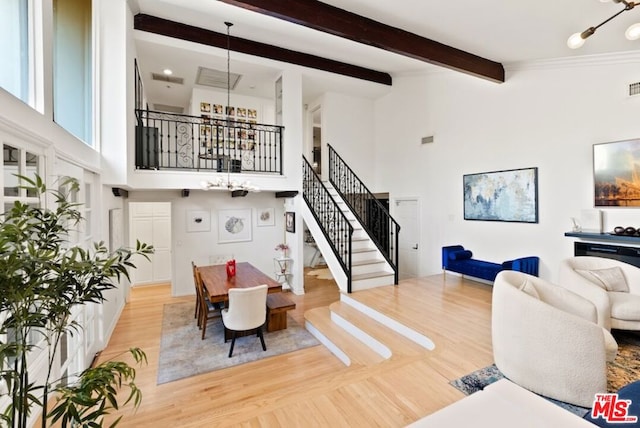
x=231, y=268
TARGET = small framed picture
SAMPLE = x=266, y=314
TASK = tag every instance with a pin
x=205, y=107
x=252, y=113
x=290, y=221
x=242, y=112
x=266, y=217
x=231, y=111
x=217, y=109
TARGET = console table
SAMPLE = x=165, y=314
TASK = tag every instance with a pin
x=604, y=237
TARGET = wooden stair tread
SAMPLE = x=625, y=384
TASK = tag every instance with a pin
x=370, y=275
x=395, y=341
x=363, y=250
x=357, y=351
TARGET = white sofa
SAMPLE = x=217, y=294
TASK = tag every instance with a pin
x=502, y=404
x=545, y=339
x=591, y=276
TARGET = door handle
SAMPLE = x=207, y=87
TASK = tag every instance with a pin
x=415, y=248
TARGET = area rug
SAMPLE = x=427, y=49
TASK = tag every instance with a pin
x=184, y=354
x=321, y=273
x=620, y=372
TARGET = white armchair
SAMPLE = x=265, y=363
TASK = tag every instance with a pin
x=611, y=285
x=247, y=311
x=545, y=339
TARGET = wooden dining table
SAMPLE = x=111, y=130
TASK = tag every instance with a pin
x=217, y=285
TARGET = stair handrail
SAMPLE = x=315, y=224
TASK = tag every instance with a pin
x=333, y=223
x=342, y=176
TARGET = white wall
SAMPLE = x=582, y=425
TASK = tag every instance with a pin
x=546, y=115
x=200, y=246
x=348, y=126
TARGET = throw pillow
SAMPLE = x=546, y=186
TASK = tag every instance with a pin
x=612, y=279
x=460, y=255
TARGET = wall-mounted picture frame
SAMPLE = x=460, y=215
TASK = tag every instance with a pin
x=508, y=195
x=290, y=221
x=205, y=107
x=616, y=174
x=234, y=225
x=198, y=221
x=265, y=217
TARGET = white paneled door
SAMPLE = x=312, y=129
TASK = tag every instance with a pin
x=150, y=222
x=406, y=214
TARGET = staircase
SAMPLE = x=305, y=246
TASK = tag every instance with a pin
x=369, y=268
x=360, y=335
x=355, y=233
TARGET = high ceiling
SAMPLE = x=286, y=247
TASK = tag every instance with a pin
x=505, y=31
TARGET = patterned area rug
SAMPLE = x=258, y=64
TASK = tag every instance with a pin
x=620, y=372
x=184, y=354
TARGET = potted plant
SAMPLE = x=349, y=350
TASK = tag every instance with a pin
x=42, y=280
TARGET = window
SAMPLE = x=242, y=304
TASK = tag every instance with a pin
x=72, y=67
x=14, y=47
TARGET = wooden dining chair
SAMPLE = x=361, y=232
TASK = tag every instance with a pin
x=247, y=311
x=196, y=314
x=207, y=310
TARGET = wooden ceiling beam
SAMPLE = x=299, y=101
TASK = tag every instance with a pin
x=339, y=22
x=190, y=33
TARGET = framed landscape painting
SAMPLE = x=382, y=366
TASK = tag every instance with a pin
x=509, y=195
x=616, y=174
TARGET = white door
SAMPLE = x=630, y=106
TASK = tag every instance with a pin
x=406, y=214
x=150, y=222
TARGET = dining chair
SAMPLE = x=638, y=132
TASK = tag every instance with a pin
x=247, y=311
x=207, y=310
x=196, y=314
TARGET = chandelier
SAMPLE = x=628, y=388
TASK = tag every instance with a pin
x=633, y=32
x=236, y=188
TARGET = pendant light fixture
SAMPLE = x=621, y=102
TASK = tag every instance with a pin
x=236, y=188
x=576, y=40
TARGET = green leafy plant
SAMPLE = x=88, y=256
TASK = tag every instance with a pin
x=43, y=278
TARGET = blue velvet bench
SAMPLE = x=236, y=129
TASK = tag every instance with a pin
x=456, y=259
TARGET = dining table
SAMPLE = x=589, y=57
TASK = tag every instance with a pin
x=217, y=283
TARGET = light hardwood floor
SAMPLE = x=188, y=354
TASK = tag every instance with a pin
x=311, y=387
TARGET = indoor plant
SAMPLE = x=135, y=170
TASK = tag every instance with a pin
x=42, y=279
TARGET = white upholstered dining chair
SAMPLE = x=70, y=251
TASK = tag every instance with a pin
x=247, y=311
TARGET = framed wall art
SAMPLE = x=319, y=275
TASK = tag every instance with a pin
x=616, y=174
x=509, y=195
x=234, y=225
x=266, y=217
x=290, y=221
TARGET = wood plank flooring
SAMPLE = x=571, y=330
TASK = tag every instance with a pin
x=311, y=387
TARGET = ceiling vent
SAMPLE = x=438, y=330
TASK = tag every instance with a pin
x=164, y=78
x=634, y=89
x=167, y=108
x=216, y=78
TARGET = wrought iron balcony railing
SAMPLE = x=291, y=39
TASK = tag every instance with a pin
x=176, y=141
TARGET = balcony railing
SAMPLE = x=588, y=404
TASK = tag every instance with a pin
x=177, y=141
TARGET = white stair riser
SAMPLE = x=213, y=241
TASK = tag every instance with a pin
x=368, y=268
x=365, y=284
x=367, y=255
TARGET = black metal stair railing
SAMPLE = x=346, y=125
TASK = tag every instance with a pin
x=372, y=215
x=332, y=221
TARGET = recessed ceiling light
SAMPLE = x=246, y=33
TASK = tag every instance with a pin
x=167, y=72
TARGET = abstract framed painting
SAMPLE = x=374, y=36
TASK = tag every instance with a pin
x=234, y=225
x=508, y=195
x=616, y=174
